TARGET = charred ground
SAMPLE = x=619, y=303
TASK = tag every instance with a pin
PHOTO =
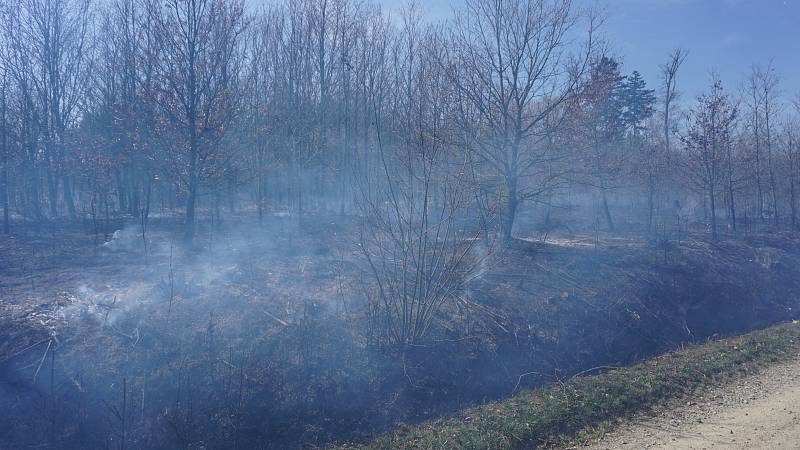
x=261, y=336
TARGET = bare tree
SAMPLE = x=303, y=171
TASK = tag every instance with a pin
x=734, y=175
x=261, y=74
x=513, y=71
x=767, y=83
x=791, y=153
x=669, y=78
x=706, y=143
x=19, y=67
x=200, y=70
x=131, y=50
x=658, y=162
x=412, y=237
x=56, y=36
x=754, y=101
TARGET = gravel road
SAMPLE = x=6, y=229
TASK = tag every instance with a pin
x=753, y=412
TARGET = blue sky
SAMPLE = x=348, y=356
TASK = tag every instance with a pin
x=728, y=36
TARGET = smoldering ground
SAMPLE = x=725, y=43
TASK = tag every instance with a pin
x=263, y=338
x=178, y=341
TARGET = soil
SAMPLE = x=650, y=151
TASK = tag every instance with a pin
x=760, y=411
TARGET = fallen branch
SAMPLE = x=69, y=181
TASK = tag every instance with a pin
x=9, y=358
x=39, y=367
x=271, y=316
x=244, y=375
x=593, y=369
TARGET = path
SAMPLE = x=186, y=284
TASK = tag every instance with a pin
x=753, y=412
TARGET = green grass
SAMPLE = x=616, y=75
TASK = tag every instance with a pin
x=569, y=411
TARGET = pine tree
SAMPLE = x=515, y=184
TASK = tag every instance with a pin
x=606, y=99
x=638, y=102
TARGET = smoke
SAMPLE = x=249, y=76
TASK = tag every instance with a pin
x=191, y=334
x=128, y=239
x=106, y=305
x=267, y=328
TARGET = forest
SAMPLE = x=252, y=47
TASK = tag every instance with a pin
x=290, y=224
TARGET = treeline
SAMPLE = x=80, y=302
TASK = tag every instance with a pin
x=123, y=107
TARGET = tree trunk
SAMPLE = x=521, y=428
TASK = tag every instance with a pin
x=650, y=206
x=792, y=202
x=260, y=190
x=52, y=188
x=133, y=188
x=757, y=139
x=4, y=185
x=713, y=200
x=774, y=189
x=32, y=189
x=121, y=191
x=68, y=197
x=510, y=209
x=606, y=209
x=732, y=206
x=194, y=181
x=191, y=201
x=4, y=199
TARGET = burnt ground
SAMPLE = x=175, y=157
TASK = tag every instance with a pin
x=50, y=274
x=260, y=337
x=105, y=314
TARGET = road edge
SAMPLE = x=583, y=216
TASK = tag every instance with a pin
x=575, y=411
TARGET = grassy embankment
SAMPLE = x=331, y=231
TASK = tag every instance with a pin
x=575, y=407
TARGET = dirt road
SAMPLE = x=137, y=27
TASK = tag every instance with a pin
x=755, y=412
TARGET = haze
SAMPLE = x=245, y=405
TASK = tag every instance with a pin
x=334, y=222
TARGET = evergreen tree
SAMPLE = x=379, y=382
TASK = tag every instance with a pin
x=638, y=102
x=606, y=100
